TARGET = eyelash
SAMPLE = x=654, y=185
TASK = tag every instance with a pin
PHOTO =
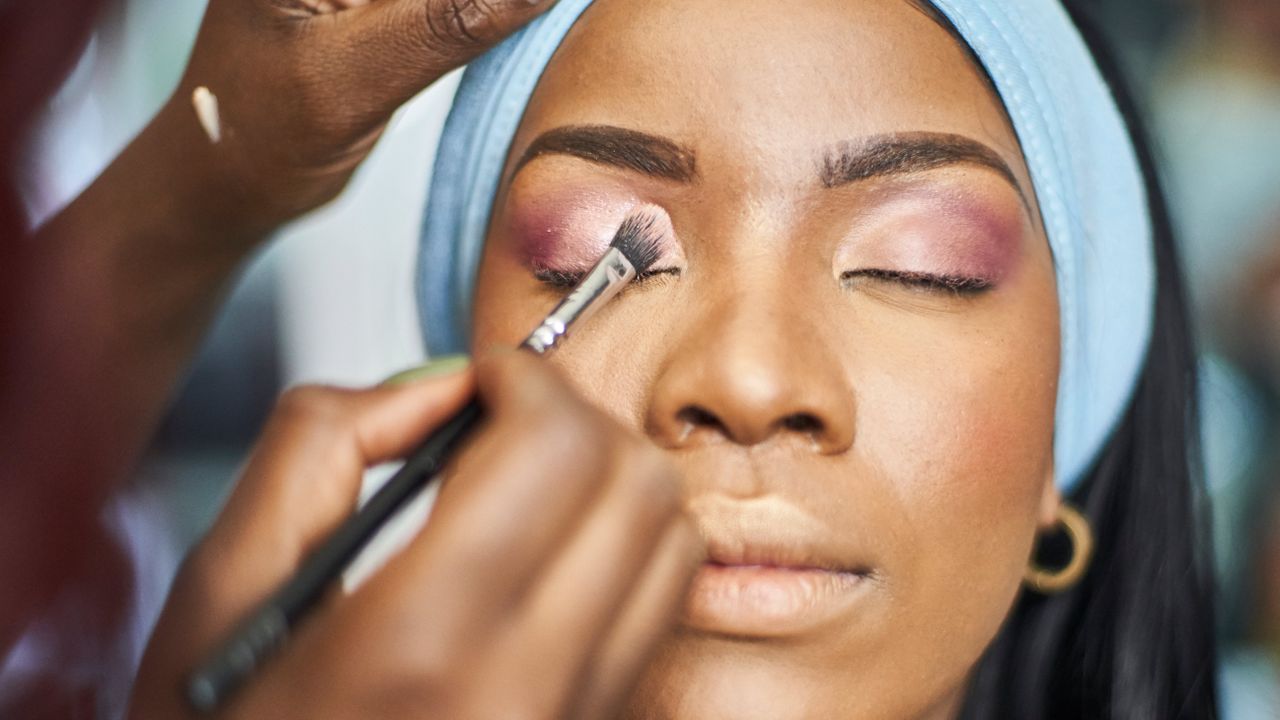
x=928, y=282
x=568, y=280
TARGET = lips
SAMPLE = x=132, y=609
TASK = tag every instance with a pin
x=771, y=553
x=772, y=570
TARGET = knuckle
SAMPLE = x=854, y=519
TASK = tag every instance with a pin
x=461, y=23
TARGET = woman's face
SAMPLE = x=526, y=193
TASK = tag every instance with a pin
x=851, y=348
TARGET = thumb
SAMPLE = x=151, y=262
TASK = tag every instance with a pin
x=409, y=44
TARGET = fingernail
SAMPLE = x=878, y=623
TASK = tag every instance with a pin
x=444, y=365
x=206, y=105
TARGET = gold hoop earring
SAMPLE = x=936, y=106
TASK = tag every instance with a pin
x=1052, y=582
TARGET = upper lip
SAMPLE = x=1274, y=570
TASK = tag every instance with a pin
x=764, y=553
x=768, y=532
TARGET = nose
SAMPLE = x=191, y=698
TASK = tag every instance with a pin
x=750, y=373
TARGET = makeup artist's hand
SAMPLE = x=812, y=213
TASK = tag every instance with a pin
x=555, y=558
x=145, y=253
x=305, y=87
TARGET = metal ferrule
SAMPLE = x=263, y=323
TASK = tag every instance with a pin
x=605, y=280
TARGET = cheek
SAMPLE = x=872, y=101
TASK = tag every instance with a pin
x=967, y=450
x=958, y=425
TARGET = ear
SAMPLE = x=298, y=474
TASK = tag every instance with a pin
x=1050, y=500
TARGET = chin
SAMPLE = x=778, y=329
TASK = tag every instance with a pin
x=700, y=675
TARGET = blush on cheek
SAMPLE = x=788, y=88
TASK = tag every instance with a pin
x=565, y=231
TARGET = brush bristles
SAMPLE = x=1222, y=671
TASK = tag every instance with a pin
x=642, y=235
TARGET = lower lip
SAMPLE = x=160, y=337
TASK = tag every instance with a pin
x=769, y=601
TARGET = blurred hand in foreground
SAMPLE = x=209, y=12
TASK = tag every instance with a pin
x=305, y=87
x=117, y=289
x=556, y=557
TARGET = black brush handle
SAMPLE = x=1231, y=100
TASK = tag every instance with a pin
x=265, y=630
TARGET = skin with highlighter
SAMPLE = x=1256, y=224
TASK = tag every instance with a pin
x=849, y=346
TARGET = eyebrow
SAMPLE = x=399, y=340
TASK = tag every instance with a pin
x=608, y=145
x=845, y=163
x=904, y=153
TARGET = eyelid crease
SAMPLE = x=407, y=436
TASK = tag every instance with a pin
x=956, y=284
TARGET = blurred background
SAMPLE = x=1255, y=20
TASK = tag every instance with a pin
x=332, y=299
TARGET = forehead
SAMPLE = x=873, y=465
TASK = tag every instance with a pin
x=767, y=83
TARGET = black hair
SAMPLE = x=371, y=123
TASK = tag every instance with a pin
x=1134, y=640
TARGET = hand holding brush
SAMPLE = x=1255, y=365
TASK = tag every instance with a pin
x=530, y=569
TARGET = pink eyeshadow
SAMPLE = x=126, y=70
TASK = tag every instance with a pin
x=941, y=231
x=566, y=231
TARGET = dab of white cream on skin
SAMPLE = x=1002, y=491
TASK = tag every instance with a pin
x=206, y=105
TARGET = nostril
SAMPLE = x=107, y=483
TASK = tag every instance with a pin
x=697, y=417
x=802, y=423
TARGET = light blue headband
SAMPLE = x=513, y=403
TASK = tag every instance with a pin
x=1082, y=161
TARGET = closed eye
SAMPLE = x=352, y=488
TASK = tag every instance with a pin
x=930, y=282
x=565, y=280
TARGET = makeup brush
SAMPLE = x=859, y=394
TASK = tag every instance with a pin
x=635, y=248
